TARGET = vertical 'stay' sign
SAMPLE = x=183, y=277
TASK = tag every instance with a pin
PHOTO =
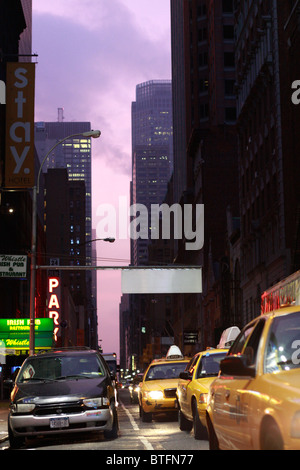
x=19, y=154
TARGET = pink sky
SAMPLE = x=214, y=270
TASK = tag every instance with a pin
x=91, y=56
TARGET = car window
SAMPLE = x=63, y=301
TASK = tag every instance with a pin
x=52, y=368
x=191, y=365
x=165, y=371
x=209, y=365
x=283, y=346
x=240, y=341
x=251, y=347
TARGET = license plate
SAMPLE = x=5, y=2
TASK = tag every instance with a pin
x=57, y=423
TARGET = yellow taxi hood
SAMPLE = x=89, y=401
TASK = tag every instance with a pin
x=160, y=384
x=288, y=381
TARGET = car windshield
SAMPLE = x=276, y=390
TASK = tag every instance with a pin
x=209, y=364
x=283, y=346
x=60, y=368
x=165, y=371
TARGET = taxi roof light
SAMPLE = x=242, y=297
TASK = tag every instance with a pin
x=228, y=336
x=174, y=353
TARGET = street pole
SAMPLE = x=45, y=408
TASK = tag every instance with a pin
x=33, y=272
x=33, y=267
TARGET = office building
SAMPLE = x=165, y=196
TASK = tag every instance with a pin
x=73, y=155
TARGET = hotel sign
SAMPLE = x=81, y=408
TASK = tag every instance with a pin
x=14, y=333
x=19, y=151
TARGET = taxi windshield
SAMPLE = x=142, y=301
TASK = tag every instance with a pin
x=283, y=347
x=60, y=368
x=209, y=365
x=165, y=371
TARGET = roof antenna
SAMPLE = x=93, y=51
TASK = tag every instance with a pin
x=60, y=116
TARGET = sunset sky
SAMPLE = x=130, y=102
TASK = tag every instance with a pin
x=91, y=56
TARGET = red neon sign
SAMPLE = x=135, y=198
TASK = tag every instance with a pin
x=53, y=302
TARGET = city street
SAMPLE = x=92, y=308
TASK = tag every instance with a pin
x=161, y=435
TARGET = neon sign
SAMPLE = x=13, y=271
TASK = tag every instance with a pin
x=53, y=302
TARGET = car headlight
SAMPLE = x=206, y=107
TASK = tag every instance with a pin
x=295, y=425
x=96, y=402
x=154, y=394
x=22, y=407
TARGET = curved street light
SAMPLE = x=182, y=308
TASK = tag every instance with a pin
x=35, y=190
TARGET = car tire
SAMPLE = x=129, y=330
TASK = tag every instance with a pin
x=15, y=442
x=271, y=438
x=113, y=433
x=146, y=417
x=212, y=437
x=184, y=423
x=200, y=431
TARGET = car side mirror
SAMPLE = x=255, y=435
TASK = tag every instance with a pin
x=185, y=376
x=237, y=366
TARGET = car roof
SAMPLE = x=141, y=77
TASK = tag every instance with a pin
x=66, y=352
x=281, y=311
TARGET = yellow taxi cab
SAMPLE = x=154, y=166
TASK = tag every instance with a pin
x=193, y=388
x=255, y=401
x=158, y=388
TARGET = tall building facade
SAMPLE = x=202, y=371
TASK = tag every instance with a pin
x=73, y=155
x=152, y=154
x=267, y=37
x=205, y=153
x=25, y=44
x=152, y=166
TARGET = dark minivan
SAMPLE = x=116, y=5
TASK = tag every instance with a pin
x=61, y=392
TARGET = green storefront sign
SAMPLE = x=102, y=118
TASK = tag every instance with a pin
x=14, y=333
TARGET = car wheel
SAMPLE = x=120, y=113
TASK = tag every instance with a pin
x=212, y=437
x=200, y=431
x=113, y=433
x=271, y=438
x=184, y=424
x=146, y=417
x=15, y=442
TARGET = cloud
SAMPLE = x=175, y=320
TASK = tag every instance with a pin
x=90, y=62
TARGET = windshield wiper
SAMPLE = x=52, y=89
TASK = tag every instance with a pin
x=73, y=376
x=39, y=379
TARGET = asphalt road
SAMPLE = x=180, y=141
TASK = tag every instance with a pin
x=160, y=436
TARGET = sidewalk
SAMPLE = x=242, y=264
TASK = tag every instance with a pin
x=3, y=420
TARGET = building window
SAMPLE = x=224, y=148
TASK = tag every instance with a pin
x=227, y=6
x=228, y=32
x=229, y=59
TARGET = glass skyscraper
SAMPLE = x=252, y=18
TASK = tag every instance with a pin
x=152, y=152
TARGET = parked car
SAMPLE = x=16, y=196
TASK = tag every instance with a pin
x=158, y=388
x=193, y=388
x=62, y=392
x=255, y=401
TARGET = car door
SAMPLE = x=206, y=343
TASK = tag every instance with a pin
x=232, y=395
x=183, y=388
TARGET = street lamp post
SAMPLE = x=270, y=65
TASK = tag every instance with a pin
x=35, y=191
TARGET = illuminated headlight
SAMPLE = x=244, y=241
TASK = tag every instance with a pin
x=295, y=426
x=154, y=394
x=96, y=402
x=22, y=407
x=203, y=398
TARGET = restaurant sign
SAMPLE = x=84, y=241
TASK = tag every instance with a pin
x=14, y=333
x=13, y=266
